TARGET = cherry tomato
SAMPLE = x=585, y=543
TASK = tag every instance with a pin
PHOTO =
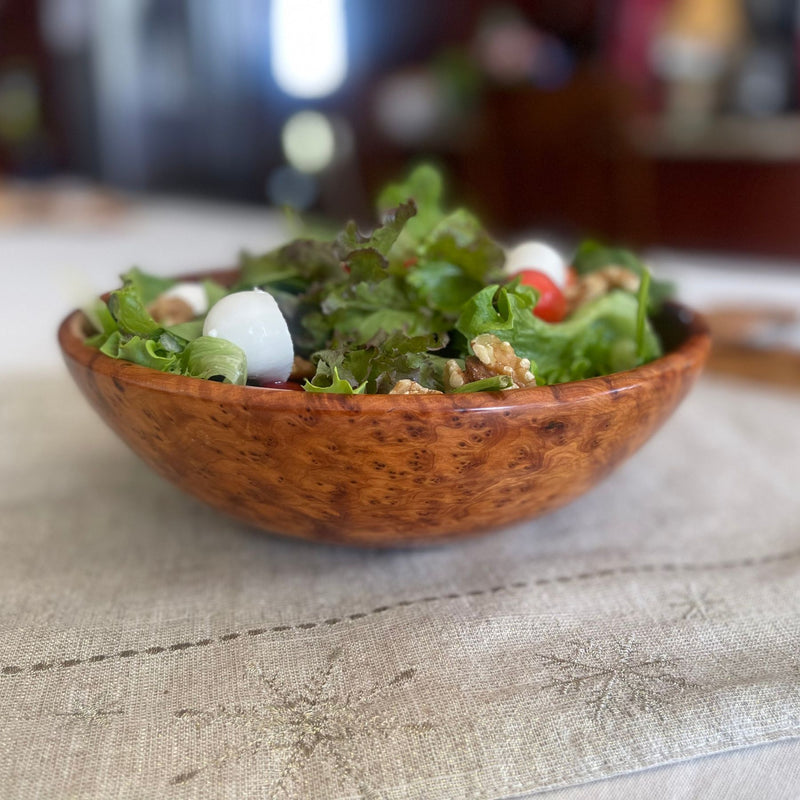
x=410, y=262
x=551, y=307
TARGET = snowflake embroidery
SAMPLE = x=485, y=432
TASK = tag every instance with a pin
x=617, y=680
x=314, y=723
x=695, y=604
x=98, y=708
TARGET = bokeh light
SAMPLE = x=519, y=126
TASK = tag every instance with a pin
x=309, y=141
x=308, y=46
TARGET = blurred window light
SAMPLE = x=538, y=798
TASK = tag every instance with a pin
x=308, y=46
x=309, y=141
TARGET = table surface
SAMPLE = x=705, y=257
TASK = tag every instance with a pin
x=48, y=269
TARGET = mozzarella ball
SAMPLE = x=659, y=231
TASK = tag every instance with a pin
x=193, y=294
x=538, y=256
x=253, y=321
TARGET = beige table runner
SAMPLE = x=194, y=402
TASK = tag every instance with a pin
x=152, y=648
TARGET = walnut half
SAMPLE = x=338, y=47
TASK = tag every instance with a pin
x=454, y=377
x=596, y=284
x=302, y=368
x=492, y=357
x=499, y=358
x=406, y=386
x=169, y=310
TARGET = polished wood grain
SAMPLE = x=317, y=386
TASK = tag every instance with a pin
x=384, y=470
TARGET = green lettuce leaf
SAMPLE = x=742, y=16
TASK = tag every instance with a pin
x=443, y=286
x=129, y=312
x=147, y=287
x=381, y=363
x=171, y=342
x=382, y=238
x=100, y=317
x=600, y=338
x=365, y=264
x=373, y=309
x=496, y=383
x=110, y=346
x=214, y=291
x=335, y=384
x=461, y=240
x=186, y=331
x=425, y=187
x=593, y=255
x=496, y=309
x=212, y=358
x=102, y=322
x=145, y=352
x=292, y=268
x=375, y=300
x=641, y=316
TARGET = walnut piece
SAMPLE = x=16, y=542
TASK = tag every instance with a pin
x=596, y=284
x=406, y=386
x=170, y=310
x=454, y=377
x=476, y=370
x=492, y=357
x=498, y=358
x=302, y=368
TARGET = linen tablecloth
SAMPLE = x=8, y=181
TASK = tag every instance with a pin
x=153, y=648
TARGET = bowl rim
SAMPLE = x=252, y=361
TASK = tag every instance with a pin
x=691, y=352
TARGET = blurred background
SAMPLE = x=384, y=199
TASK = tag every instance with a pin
x=172, y=133
x=656, y=122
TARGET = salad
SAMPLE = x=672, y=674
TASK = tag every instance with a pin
x=425, y=303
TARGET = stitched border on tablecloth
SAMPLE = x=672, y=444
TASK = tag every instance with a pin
x=56, y=663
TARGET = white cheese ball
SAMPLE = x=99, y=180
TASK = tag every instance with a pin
x=538, y=256
x=193, y=294
x=253, y=321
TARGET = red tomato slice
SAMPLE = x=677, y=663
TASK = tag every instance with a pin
x=551, y=307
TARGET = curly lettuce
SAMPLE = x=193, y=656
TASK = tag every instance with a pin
x=606, y=335
x=371, y=308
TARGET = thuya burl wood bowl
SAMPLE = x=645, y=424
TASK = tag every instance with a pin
x=385, y=470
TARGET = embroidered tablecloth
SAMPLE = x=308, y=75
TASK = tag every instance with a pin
x=152, y=648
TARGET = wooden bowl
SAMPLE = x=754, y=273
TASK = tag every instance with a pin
x=384, y=470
